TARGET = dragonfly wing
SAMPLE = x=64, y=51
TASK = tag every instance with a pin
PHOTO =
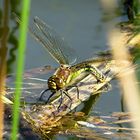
x=54, y=44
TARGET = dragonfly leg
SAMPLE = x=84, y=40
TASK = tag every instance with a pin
x=42, y=93
x=61, y=99
x=49, y=97
x=66, y=93
x=76, y=90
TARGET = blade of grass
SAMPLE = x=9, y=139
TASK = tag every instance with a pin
x=20, y=67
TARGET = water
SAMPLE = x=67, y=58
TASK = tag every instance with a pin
x=79, y=22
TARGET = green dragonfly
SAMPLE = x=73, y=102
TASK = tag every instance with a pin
x=64, y=55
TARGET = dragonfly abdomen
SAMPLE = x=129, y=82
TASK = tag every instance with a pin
x=88, y=68
x=96, y=72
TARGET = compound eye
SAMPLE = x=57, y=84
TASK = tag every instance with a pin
x=60, y=82
x=51, y=85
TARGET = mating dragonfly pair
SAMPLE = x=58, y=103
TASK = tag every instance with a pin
x=63, y=54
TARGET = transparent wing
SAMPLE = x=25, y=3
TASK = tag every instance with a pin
x=54, y=44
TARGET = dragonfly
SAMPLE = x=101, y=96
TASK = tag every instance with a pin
x=64, y=55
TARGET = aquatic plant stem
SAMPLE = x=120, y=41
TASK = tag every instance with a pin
x=20, y=67
x=3, y=66
x=127, y=79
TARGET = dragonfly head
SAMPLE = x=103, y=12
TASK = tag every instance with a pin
x=55, y=83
